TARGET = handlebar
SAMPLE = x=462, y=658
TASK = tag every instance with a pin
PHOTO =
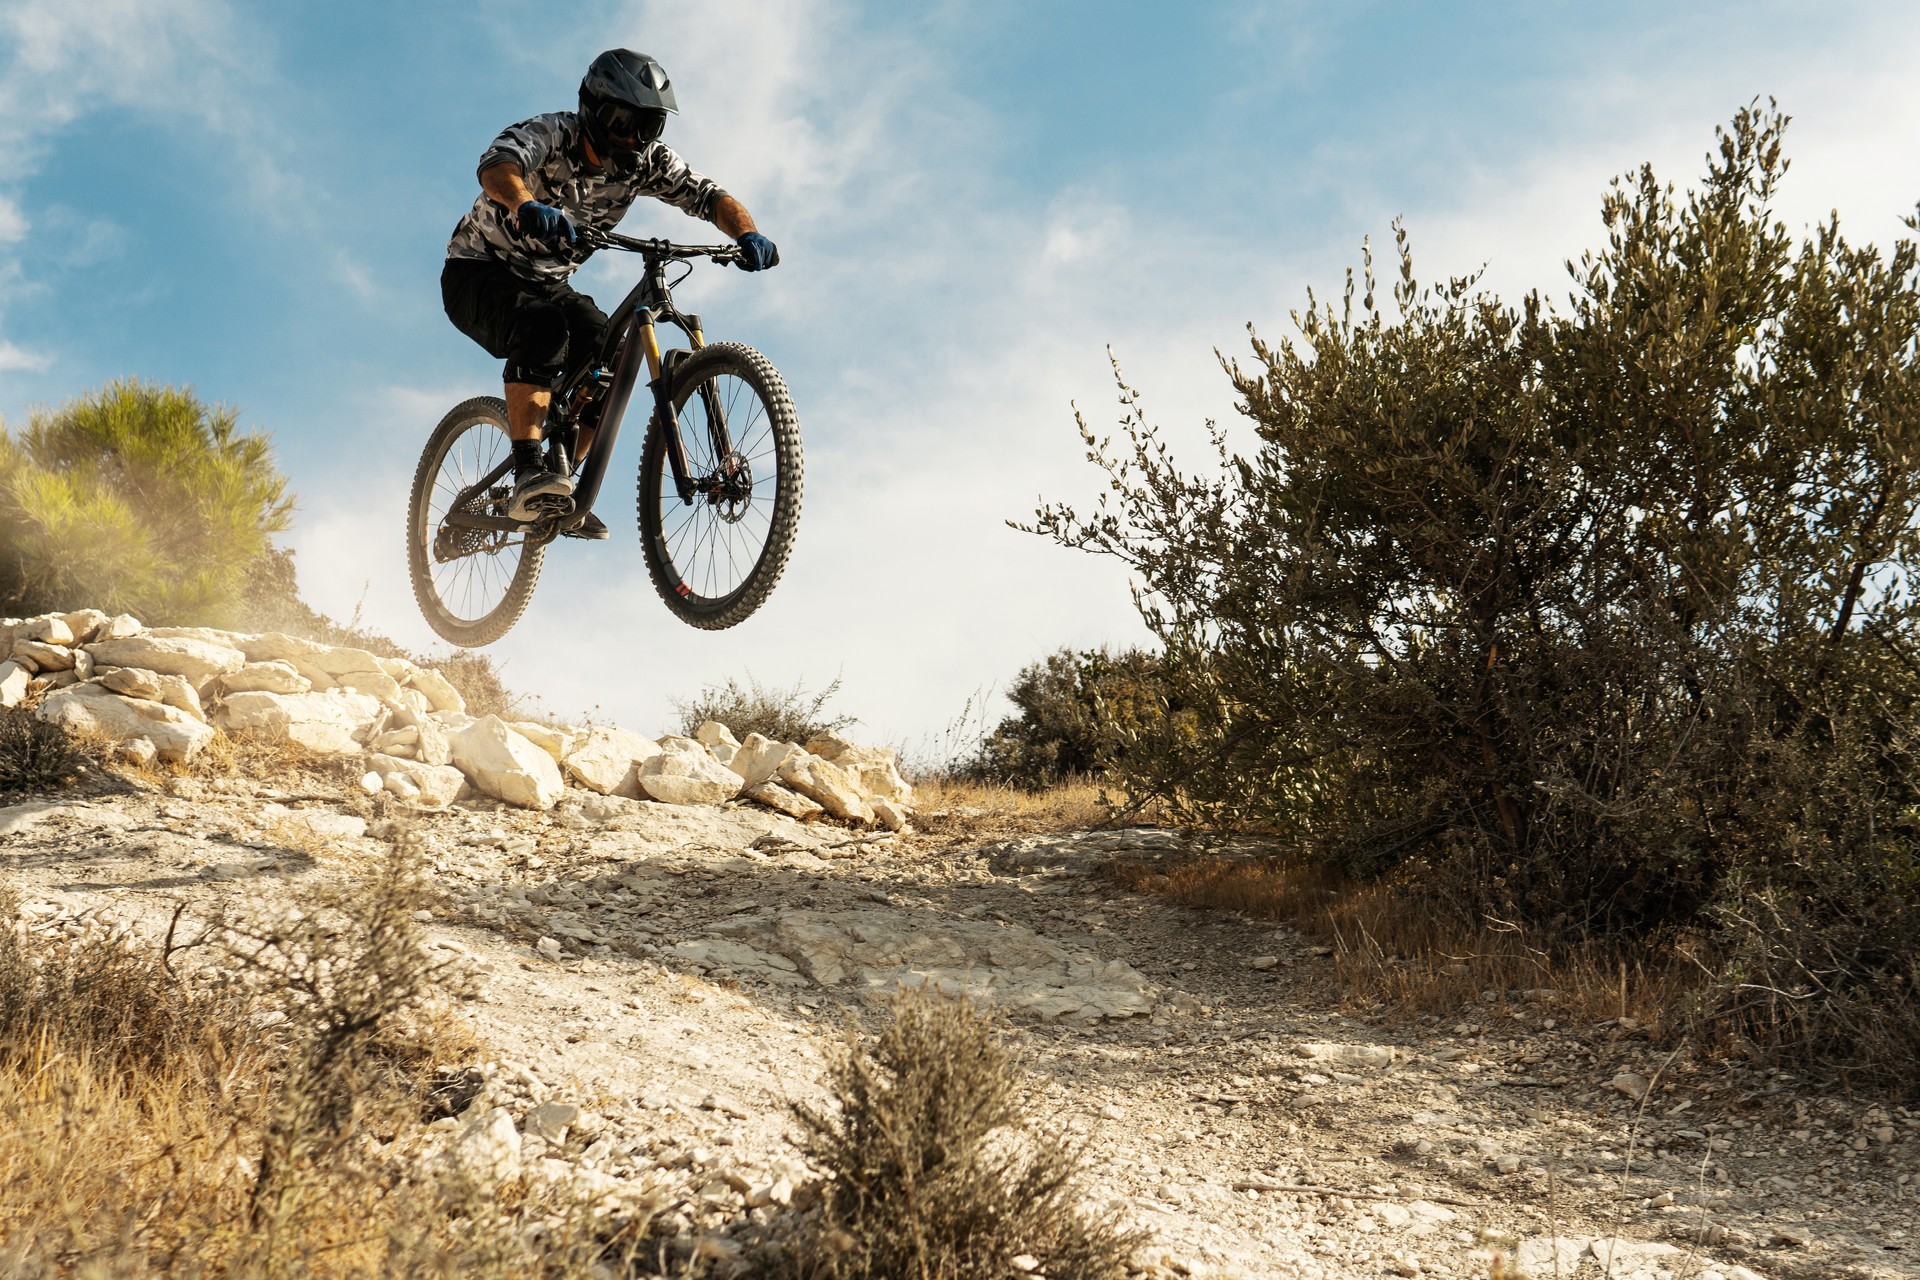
x=655, y=249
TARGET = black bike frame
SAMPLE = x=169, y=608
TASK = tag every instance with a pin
x=630, y=340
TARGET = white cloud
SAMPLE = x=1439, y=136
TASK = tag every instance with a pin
x=14, y=358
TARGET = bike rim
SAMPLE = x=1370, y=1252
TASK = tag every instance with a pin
x=473, y=585
x=715, y=543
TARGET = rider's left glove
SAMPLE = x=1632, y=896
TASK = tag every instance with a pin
x=757, y=252
x=544, y=222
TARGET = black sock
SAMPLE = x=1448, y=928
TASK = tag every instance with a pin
x=526, y=455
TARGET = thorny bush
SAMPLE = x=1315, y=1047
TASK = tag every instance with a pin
x=1599, y=621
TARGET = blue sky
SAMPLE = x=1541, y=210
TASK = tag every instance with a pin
x=973, y=200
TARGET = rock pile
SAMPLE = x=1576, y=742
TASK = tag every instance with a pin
x=163, y=693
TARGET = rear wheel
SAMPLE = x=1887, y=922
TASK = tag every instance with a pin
x=716, y=550
x=472, y=584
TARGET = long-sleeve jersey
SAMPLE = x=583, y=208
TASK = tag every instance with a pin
x=547, y=149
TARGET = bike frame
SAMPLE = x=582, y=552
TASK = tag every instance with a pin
x=631, y=339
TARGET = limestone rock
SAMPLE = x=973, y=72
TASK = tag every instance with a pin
x=44, y=657
x=277, y=646
x=683, y=773
x=49, y=628
x=437, y=785
x=891, y=814
x=506, y=765
x=377, y=684
x=555, y=742
x=433, y=747
x=1368, y=1056
x=438, y=691
x=785, y=800
x=205, y=635
x=119, y=627
x=607, y=760
x=825, y=782
x=874, y=770
x=154, y=687
x=273, y=676
x=197, y=661
x=718, y=740
x=14, y=680
x=487, y=1149
x=89, y=708
x=321, y=721
x=760, y=758
x=85, y=624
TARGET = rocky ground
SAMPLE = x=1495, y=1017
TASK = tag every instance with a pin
x=655, y=982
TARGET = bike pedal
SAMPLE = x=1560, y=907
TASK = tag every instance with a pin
x=551, y=506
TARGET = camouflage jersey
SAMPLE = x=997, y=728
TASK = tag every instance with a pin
x=547, y=149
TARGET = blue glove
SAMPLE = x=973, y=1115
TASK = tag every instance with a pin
x=544, y=222
x=757, y=252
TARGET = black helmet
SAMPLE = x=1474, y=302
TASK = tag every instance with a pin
x=624, y=100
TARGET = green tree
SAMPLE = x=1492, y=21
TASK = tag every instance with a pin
x=137, y=497
x=1078, y=711
x=1599, y=620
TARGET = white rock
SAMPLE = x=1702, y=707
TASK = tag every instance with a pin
x=487, y=1149
x=14, y=680
x=760, y=758
x=891, y=814
x=49, y=628
x=1263, y=962
x=506, y=765
x=826, y=783
x=205, y=635
x=324, y=823
x=550, y=1121
x=785, y=800
x=271, y=676
x=396, y=742
x=44, y=657
x=119, y=627
x=718, y=740
x=88, y=708
x=607, y=759
x=438, y=691
x=555, y=742
x=683, y=773
x=377, y=684
x=85, y=624
x=433, y=747
x=417, y=781
x=874, y=770
x=1631, y=1083
x=196, y=660
x=139, y=751
x=154, y=687
x=1369, y=1056
x=321, y=721
x=372, y=783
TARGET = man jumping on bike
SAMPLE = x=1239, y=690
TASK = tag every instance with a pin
x=505, y=280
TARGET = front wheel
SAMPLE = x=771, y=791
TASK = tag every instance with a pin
x=717, y=543
x=472, y=584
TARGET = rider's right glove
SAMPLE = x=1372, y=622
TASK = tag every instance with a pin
x=757, y=252
x=544, y=222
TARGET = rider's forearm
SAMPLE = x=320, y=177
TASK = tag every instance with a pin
x=730, y=216
x=505, y=184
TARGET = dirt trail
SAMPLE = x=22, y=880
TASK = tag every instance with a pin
x=671, y=971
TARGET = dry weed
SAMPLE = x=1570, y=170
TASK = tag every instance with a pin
x=953, y=807
x=934, y=1171
x=37, y=756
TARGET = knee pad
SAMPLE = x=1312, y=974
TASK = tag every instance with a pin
x=537, y=346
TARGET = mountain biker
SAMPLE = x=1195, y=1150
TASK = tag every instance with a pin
x=505, y=280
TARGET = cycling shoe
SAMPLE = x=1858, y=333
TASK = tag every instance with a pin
x=589, y=527
x=539, y=493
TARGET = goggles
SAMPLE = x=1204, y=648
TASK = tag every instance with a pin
x=630, y=127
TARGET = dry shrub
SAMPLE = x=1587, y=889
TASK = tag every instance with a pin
x=258, y=1118
x=934, y=1171
x=35, y=755
x=958, y=807
x=789, y=714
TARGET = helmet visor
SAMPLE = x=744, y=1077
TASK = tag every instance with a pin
x=629, y=128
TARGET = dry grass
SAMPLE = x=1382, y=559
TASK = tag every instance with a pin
x=1390, y=947
x=153, y=1123
x=958, y=808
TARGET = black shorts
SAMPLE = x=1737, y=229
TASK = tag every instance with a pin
x=542, y=329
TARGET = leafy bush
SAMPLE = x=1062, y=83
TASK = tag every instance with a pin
x=137, y=497
x=786, y=715
x=1078, y=712
x=1565, y=618
x=35, y=755
x=932, y=1169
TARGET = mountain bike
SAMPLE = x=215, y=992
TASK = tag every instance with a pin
x=720, y=471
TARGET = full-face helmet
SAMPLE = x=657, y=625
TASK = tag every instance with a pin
x=624, y=101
